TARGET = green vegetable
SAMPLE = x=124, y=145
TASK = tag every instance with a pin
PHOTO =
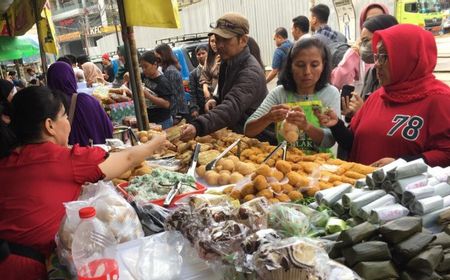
x=335, y=225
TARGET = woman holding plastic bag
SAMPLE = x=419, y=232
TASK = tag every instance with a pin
x=304, y=88
x=39, y=172
x=408, y=117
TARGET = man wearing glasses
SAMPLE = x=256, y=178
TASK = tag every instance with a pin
x=242, y=84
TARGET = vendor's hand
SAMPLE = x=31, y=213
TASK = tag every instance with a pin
x=356, y=45
x=328, y=118
x=158, y=139
x=356, y=102
x=210, y=104
x=297, y=116
x=189, y=132
x=382, y=162
x=277, y=113
x=345, y=106
x=207, y=95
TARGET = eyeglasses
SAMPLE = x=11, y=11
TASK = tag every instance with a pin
x=380, y=58
x=223, y=24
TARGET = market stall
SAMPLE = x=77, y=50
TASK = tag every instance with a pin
x=245, y=209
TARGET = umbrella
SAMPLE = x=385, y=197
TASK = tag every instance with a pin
x=17, y=47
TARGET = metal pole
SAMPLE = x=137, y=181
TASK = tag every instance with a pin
x=41, y=45
x=115, y=23
x=135, y=78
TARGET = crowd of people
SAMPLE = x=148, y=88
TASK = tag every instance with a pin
x=397, y=110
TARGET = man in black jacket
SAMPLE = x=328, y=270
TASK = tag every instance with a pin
x=242, y=84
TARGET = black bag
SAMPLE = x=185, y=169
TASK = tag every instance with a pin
x=337, y=51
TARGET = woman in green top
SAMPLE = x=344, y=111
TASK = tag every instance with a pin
x=304, y=88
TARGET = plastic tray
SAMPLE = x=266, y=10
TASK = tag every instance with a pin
x=200, y=189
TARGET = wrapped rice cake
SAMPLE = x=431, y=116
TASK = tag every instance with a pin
x=376, y=270
x=358, y=233
x=367, y=251
x=401, y=229
x=427, y=261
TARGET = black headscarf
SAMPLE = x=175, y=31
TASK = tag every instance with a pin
x=379, y=22
x=5, y=90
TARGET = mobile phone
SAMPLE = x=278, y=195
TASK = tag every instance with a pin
x=347, y=90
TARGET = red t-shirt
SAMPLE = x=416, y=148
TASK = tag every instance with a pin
x=35, y=182
x=385, y=129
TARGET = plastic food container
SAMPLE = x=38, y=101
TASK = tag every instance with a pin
x=200, y=189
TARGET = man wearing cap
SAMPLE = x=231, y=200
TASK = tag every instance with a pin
x=241, y=86
x=108, y=71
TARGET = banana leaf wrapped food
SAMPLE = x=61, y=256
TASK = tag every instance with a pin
x=409, y=183
x=410, y=196
x=432, y=218
x=365, y=211
x=427, y=205
x=358, y=233
x=406, y=275
x=401, y=229
x=412, y=246
x=367, y=251
x=332, y=195
x=335, y=225
x=409, y=169
x=363, y=200
x=427, y=261
x=379, y=175
x=348, y=197
x=338, y=208
x=384, y=214
x=353, y=222
x=442, y=239
x=376, y=270
x=445, y=263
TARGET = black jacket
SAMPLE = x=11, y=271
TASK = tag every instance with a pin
x=242, y=88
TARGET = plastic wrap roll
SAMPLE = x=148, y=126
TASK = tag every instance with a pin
x=363, y=200
x=409, y=169
x=348, y=197
x=388, y=213
x=338, y=208
x=331, y=195
x=427, y=205
x=410, y=183
x=431, y=219
x=382, y=201
x=370, y=182
x=410, y=196
x=446, y=201
x=379, y=175
x=442, y=189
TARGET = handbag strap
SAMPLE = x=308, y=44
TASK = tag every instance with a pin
x=73, y=105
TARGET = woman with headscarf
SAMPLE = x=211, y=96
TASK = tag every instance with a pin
x=352, y=68
x=6, y=95
x=409, y=116
x=90, y=122
x=92, y=74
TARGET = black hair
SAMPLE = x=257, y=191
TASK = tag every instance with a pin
x=149, y=56
x=12, y=73
x=286, y=76
x=5, y=90
x=20, y=84
x=65, y=59
x=72, y=58
x=380, y=22
x=167, y=56
x=282, y=32
x=30, y=108
x=321, y=12
x=302, y=23
x=82, y=59
x=211, y=58
x=255, y=50
x=201, y=47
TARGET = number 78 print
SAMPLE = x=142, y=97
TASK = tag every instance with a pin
x=410, y=126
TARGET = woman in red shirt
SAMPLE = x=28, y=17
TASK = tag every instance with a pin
x=38, y=173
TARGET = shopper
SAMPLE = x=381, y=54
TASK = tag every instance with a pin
x=92, y=74
x=197, y=106
x=241, y=86
x=108, y=70
x=39, y=173
x=254, y=49
x=171, y=70
x=300, y=28
x=79, y=74
x=352, y=69
x=408, y=116
x=279, y=57
x=210, y=73
x=90, y=123
x=304, y=84
x=6, y=95
x=159, y=93
x=319, y=25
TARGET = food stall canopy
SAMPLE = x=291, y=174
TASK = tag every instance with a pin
x=17, y=47
x=152, y=13
x=17, y=16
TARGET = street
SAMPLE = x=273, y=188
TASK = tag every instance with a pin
x=442, y=70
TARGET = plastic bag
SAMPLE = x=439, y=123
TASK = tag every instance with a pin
x=287, y=220
x=160, y=257
x=152, y=217
x=289, y=131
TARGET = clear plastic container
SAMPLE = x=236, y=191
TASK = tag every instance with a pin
x=89, y=242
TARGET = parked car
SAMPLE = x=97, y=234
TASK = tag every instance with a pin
x=446, y=22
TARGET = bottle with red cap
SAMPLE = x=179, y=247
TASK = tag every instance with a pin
x=89, y=242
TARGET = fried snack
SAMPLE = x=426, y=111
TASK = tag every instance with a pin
x=126, y=175
x=297, y=167
x=142, y=170
x=235, y=159
x=260, y=183
x=335, y=161
x=235, y=193
x=325, y=156
x=249, y=197
x=276, y=187
x=248, y=189
x=287, y=188
x=224, y=179
x=143, y=139
x=271, y=162
x=264, y=170
x=142, y=133
x=228, y=164
x=294, y=158
x=309, y=167
x=235, y=177
x=337, y=183
x=354, y=175
x=225, y=172
x=325, y=185
x=205, y=139
x=212, y=177
x=309, y=158
x=244, y=168
x=277, y=175
x=329, y=177
x=363, y=169
x=348, y=180
x=274, y=200
x=117, y=181
x=297, y=180
x=311, y=191
x=228, y=190
x=266, y=193
x=205, y=157
x=183, y=147
x=295, y=195
x=282, y=197
x=345, y=167
x=283, y=166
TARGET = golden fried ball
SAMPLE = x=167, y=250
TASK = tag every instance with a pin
x=224, y=179
x=228, y=164
x=274, y=200
x=234, y=158
x=295, y=195
x=283, y=166
x=201, y=170
x=248, y=189
x=235, y=193
x=235, y=177
x=260, y=182
x=265, y=193
x=287, y=188
x=228, y=190
x=282, y=197
x=249, y=197
x=311, y=191
x=278, y=175
x=264, y=170
x=211, y=177
x=276, y=187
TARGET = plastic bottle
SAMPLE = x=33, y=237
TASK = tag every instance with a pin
x=89, y=241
